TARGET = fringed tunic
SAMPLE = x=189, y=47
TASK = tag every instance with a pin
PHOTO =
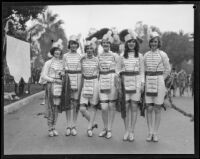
x=108, y=63
x=157, y=68
x=90, y=74
x=133, y=76
x=73, y=68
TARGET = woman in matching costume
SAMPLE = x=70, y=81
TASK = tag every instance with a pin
x=157, y=68
x=73, y=69
x=132, y=78
x=108, y=83
x=90, y=86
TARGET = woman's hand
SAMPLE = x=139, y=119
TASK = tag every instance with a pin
x=58, y=81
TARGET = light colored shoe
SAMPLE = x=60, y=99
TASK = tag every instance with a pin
x=155, y=137
x=149, y=137
x=89, y=132
x=125, y=138
x=131, y=137
x=109, y=134
x=68, y=131
x=51, y=133
x=103, y=133
x=55, y=132
x=74, y=131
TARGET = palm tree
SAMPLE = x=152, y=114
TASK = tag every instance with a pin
x=47, y=30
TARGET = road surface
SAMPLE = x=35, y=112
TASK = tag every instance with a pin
x=25, y=132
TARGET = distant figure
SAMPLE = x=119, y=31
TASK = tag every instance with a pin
x=21, y=86
x=33, y=73
x=173, y=81
x=187, y=83
x=182, y=77
x=37, y=75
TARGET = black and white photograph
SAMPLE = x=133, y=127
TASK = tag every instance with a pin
x=98, y=79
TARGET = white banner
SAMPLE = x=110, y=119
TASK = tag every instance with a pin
x=18, y=58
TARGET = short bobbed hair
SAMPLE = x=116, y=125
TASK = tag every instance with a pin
x=71, y=41
x=86, y=47
x=159, y=41
x=52, y=51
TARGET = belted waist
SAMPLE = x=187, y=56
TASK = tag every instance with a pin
x=150, y=73
x=89, y=77
x=73, y=71
x=106, y=72
x=131, y=73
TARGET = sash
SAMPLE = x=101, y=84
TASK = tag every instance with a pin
x=105, y=83
x=152, y=85
x=130, y=84
x=88, y=88
x=74, y=81
x=73, y=75
x=57, y=89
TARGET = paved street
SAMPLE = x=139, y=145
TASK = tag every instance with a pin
x=25, y=132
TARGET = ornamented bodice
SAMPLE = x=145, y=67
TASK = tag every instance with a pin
x=131, y=63
x=107, y=62
x=90, y=67
x=72, y=61
x=153, y=61
x=56, y=68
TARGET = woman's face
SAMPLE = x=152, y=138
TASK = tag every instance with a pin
x=131, y=44
x=73, y=46
x=154, y=43
x=90, y=51
x=57, y=53
x=106, y=45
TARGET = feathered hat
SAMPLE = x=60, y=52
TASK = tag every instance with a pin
x=108, y=37
x=58, y=44
x=91, y=42
x=153, y=35
x=128, y=34
x=74, y=38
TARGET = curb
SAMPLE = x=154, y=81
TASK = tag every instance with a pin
x=17, y=105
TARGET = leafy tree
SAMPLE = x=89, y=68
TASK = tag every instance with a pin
x=20, y=13
x=178, y=47
x=48, y=29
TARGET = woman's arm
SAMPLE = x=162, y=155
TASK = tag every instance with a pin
x=46, y=71
x=166, y=64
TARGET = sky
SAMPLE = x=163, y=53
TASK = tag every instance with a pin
x=80, y=18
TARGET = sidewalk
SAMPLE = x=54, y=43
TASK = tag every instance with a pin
x=21, y=103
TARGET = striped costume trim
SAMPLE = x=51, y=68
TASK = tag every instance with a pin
x=106, y=72
x=149, y=73
x=132, y=73
x=73, y=71
x=108, y=101
x=89, y=78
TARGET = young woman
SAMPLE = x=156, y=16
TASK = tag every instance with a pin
x=108, y=85
x=157, y=68
x=90, y=87
x=132, y=76
x=52, y=73
x=73, y=68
